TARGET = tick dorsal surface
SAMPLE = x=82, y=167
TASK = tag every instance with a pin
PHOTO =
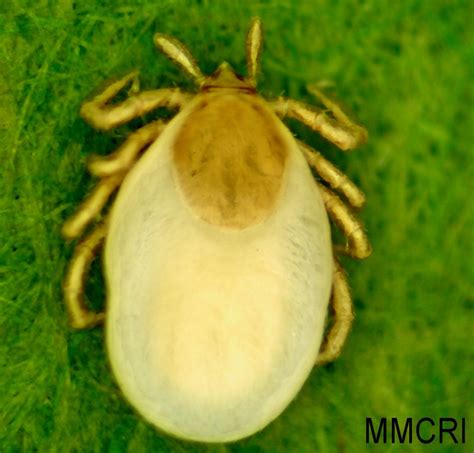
x=229, y=159
x=219, y=266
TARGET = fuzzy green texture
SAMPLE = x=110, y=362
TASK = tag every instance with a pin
x=401, y=66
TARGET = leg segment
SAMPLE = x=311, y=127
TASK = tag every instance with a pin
x=358, y=245
x=103, y=116
x=80, y=316
x=338, y=129
x=343, y=315
x=122, y=159
x=91, y=206
x=333, y=176
x=334, y=108
x=112, y=169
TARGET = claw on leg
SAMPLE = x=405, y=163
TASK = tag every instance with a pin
x=333, y=176
x=343, y=316
x=80, y=316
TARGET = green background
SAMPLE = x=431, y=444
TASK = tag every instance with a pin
x=402, y=67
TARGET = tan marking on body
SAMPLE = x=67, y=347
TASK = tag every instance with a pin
x=230, y=157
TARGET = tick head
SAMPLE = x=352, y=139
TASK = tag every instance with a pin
x=226, y=78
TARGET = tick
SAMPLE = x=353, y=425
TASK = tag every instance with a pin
x=218, y=257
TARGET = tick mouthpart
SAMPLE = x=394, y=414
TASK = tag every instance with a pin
x=226, y=77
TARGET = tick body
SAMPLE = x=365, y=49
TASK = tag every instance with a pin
x=218, y=257
x=229, y=239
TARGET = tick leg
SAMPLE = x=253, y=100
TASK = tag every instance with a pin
x=101, y=115
x=338, y=129
x=80, y=317
x=123, y=159
x=343, y=315
x=337, y=111
x=91, y=206
x=333, y=176
x=112, y=169
x=358, y=245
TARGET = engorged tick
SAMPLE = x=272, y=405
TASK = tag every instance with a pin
x=218, y=256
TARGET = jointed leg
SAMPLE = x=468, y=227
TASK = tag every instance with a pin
x=123, y=159
x=343, y=316
x=91, y=206
x=358, y=245
x=339, y=129
x=335, y=109
x=112, y=169
x=80, y=316
x=103, y=116
x=333, y=176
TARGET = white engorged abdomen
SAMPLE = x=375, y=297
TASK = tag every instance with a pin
x=212, y=332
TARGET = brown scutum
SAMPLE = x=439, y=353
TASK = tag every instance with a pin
x=230, y=157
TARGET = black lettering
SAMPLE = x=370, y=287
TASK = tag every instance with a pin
x=407, y=429
x=424, y=441
x=449, y=430
x=382, y=430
